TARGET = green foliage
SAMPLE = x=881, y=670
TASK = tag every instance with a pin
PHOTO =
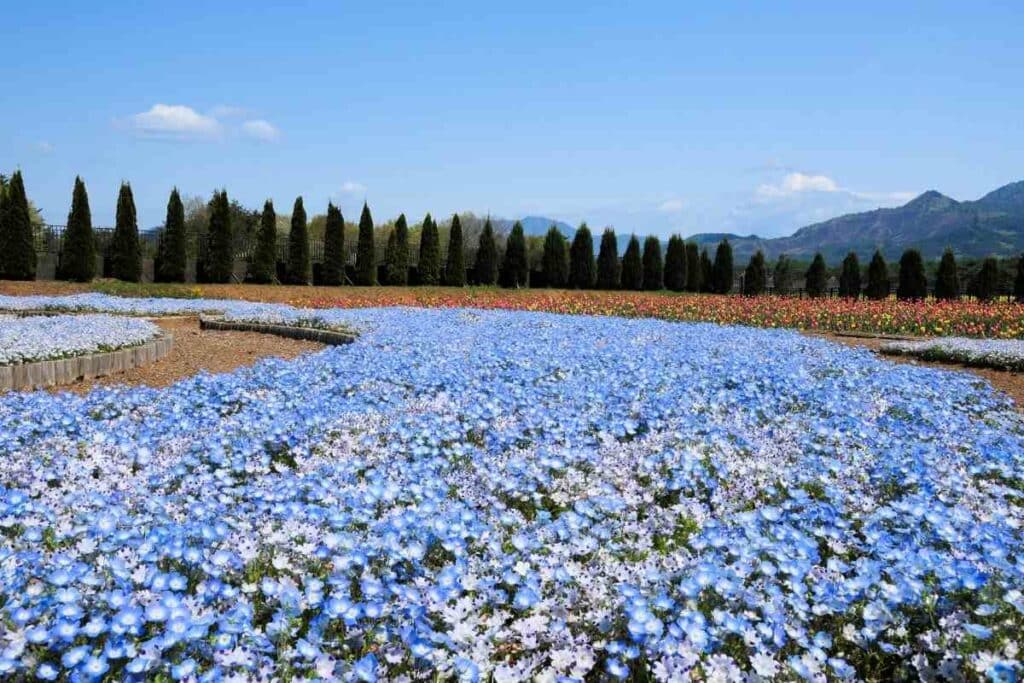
x=582, y=267
x=947, y=279
x=694, y=273
x=816, y=278
x=913, y=285
x=849, y=277
x=125, y=251
x=487, y=256
x=1018, y=282
x=707, y=271
x=429, y=266
x=555, y=263
x=366, y=261
x=515, y=270
x=78, y=257
x=219, y=257
x=608, y=261
x=172, y=251
x=299, y=268
x=721, y=272
x=755, y=277
x=986, y=282
x=878, y=278
x=17, y=247
x=263, y=268
x=782, y=275
x=398, y=266
x=455, y=266
x=632, y=267
x=654, y=267
x=675, y=264
x=333, y=272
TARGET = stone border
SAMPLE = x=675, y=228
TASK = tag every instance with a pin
x=330, y=337
x=59, y=371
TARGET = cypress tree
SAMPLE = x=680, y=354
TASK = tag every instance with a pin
x=1018, y=283
x=398, y=270
x=986, y=282
x=721, y=279
x=947, y=280
x=173, y=248
x=429, y=268
x=693, y=269
x=632, y=266
x=78, y=257
x=389, y=257
x=849, y=277
x=675, y=264
x=608, y=261
x=125, y=251
x=582, y=267
x=707, y=272
x=298, y=247
x=3, y=228
x=16, y=239
x=366, y=261
x=878, y=278
x=912, y=285
x=333, y=271
x=654, y=267
x=455, y=266
x=487, y=256
x=816, y=278
x=755, y=277
x=555, y=261
x=219, y=259
x=515, y=269
x=782, y=275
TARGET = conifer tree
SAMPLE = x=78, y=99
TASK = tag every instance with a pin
x=429, y=267
x=219, y=257
x=913, y=285
x=398, y=267
x=654, y=266
x=816, y=278
x=125, y=251
x=849, y=277
x=389, y=257
x=693, y=269
x=4, y=229
x=333, y=271
x=455, y=266
x=515, y=268
x=755, y=277
x=18, y=257
x=298, y=247
x=707, y=272
x=675, y=264
x=366, y=261
x=487, y=256
x=555, y=261
x=1018, y=282
x=722, y=270
x=608, y=261
x=878, y=278
x=947, y=280
x=582, y=267
x=172, y=254
x=78, y=257
x=632, y=266
x=986, y=281
x=782, y=275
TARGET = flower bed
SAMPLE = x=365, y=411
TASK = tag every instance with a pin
x=1005, y=354
x=465, y=494
x=45, y=337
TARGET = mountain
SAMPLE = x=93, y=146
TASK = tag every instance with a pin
x=538, y=225
x=990, y=226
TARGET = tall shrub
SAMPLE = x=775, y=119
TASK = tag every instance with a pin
x=125, y=251
x=755, y=277
x=632, y=266
x=707, y=272
x=913, y=285
x=582, y=268
x=878, y=278
x=986, y=281
x=693, y=269
x=332, y=273
x=675, y=264
x=78, y=257
x=722, y=269
x=608, y=261
x=654, y=266
x=515, y=269
x=429, y=267
x=816, y=277
x=219, y=257
x=298, y=247
x=782, y=275
x=172, y=252
x=487, y=256
x=455, y=266
x=555, y=261
x=17, y=246
x=947, y=279
x=1018, y=282
x=399, y=272
x=849, y=277
x=366, y=261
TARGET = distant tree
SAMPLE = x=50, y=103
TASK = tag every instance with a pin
x=986, y=281
x=125, y=252
x=816, y=278
x=782, y=275
x=755, y=277
x=429, y=266
x=632, y=266
x=398, y=264
x=1018, y=283
x=849, y=277
x=694, y=272
x=582, y=267
x=366, y=261
x=17, y=246
x=78, y=258
x=555, y=263
x=515, y=270
x=455, y=266
x=219, y=259
x=721, y=278
x=172, y=250
x=654, y=267
x=486, y=267
x=913, y=285
x=707, y=272
x=608, y=261
x=298, y=247
x=389, y=257
x=333, y=270
x=878, y=278
x=947, y=280
x=675, y=264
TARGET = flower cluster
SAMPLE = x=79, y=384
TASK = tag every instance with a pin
x=990, y=353
x=43, y=337
x=489, y=495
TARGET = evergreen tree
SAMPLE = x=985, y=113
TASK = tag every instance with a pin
x=219, y=257
x=582, y=268
x=555, y=261
x=782, y=275
x=986, y=281
x=172, y=254
x=455, y=266
x=333, y=271
x=654, y=267
x=298, y=247
x=366, y=261
x=675, y=264
x=632, y=266
x=721, y=278
x=125, y=251
x=913, y=286
x=816, y=278
x=947, y=280
x=429, y=268
x=17, y=245
x=78, y=257
x=389, y=257
x=693, y=269
x=608, y=261
x=707, y=272
x=515, y=271
x=3, y=228
x=398, y=266
x=487, y=256
x=878, y=278
x=755, y=277
x=849, y=277
x=1018, y=283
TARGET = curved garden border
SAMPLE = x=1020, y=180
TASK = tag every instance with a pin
x=330, y=337
x=59, y=371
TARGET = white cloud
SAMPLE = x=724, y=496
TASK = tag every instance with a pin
x=671, y=206
x=352, y=187
x=175, y=121
x=795, y=183
x=44, y=146
x=226, y=111
x=260, y=129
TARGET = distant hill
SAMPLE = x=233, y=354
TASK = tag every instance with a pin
x=990, y=226
x=538, y=225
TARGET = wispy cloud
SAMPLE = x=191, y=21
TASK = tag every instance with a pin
x=671, y=206
x=260, y=129
x=181, y=122
x=795, y=183
x=44, y=147
x=352, y=187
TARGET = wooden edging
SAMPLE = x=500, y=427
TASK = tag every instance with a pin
x=48, y=373
x=330, y=337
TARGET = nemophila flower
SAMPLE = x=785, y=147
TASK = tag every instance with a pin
x=44, y=337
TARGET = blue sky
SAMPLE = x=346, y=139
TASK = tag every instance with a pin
x=654, y=117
